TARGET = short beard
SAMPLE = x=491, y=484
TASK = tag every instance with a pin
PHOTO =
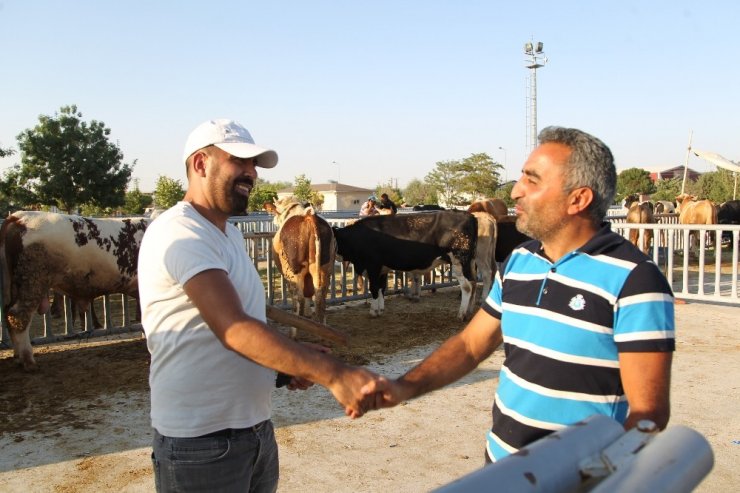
x=239, y=204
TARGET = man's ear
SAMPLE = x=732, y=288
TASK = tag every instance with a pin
x=199, y=163
x=579, y=200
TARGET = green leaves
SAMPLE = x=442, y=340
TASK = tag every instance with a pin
x=167, y=192
x=458, y=182
x=69, y=163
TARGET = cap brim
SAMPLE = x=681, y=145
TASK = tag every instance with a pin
x=267, y=157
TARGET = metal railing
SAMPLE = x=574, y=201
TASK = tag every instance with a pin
x=700, y=275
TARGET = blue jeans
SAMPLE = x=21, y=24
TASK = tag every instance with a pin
x=233, y=460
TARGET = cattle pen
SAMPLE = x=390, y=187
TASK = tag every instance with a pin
x=707, y=275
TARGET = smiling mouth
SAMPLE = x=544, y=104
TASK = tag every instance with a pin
x=243, y=188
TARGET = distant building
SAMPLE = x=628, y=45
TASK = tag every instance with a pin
x=675, y=172
x=337, y=197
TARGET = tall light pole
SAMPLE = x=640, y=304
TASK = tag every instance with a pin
x=334, y=162
x=535, y=59
x=505, y=164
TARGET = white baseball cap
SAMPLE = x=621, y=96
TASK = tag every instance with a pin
x=231, y=137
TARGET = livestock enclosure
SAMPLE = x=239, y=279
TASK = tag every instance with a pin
x=711, y=274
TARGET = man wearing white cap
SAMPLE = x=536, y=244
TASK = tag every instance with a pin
x=213, y=357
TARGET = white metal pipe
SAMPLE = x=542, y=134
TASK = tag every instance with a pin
x=551, y=464
x=676, y=460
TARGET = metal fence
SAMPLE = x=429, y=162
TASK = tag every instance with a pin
x=709, y=274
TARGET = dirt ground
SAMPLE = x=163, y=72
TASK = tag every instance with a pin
x=81, y=423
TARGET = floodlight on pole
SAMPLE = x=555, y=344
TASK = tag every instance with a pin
x=535, y=59
x=334, y=162
x=505, y=163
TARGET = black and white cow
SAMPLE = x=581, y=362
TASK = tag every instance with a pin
x=728, y=213
x=507, y=238
x=412, y=243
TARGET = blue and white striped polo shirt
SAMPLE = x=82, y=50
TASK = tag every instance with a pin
x=564, y=324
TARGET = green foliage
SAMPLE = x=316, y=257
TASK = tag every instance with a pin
x=302, y=188
x=418, y=192
x=504, y=193
x=304, y=193
x=13, y=195
x=261, y=193
x=459, y=182
x=717, y=186
x=6, y=152
x=136, y=202
x=393, y=193
x=667, y=189
x=633, y=180
x=446, y=179
x=480, y=175
x=68, y=162
x=167, y=192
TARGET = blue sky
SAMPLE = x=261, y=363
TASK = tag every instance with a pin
x=372, y=92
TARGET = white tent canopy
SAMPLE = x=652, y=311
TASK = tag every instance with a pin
x=719, y=161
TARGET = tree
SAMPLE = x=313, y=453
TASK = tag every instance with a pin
x=261, y=193
x=504, y=193
x=633, y=180
x=13, y=195
x=137, y=202
x=446, y=179
x=6, y=152
x=667, y=189
x=393, y=193
x=716, y=186
x=302, y=191
x=302, y=188
x=167, y=192
x=480, y=175
x=67, y=162
x=459, y=182
x=418, y=192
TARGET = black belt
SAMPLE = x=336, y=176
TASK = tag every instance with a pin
x=235, y=432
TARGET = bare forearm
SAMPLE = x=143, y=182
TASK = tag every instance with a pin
x=454, y=359
x=447, y=364
x=268, y=347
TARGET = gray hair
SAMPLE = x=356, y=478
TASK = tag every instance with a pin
x=591, y=165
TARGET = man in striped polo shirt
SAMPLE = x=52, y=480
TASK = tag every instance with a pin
x=586, y=319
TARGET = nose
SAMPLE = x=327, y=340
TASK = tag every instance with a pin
x=249, y=167
x=516, y=190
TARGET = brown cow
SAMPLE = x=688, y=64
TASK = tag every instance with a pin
x=495, y=207
x=81, y=257
x=305, y=250
x=640, y=213
x=692, y=211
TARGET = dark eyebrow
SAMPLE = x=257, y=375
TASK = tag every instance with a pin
x=530, y=173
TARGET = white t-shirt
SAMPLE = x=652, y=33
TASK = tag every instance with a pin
x=197, y=385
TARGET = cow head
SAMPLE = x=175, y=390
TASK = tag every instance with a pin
x=287, y=207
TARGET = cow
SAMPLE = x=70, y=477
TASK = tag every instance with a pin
x=507, y=237
x=78, y=310
x=495, y=207
x=640, y=213
x=411, y=243
x=485, y=260
x=691, y=211
x=664, y=207
x=81, y=257
x=427, y=207
x=728, y=213
x=305, y=250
